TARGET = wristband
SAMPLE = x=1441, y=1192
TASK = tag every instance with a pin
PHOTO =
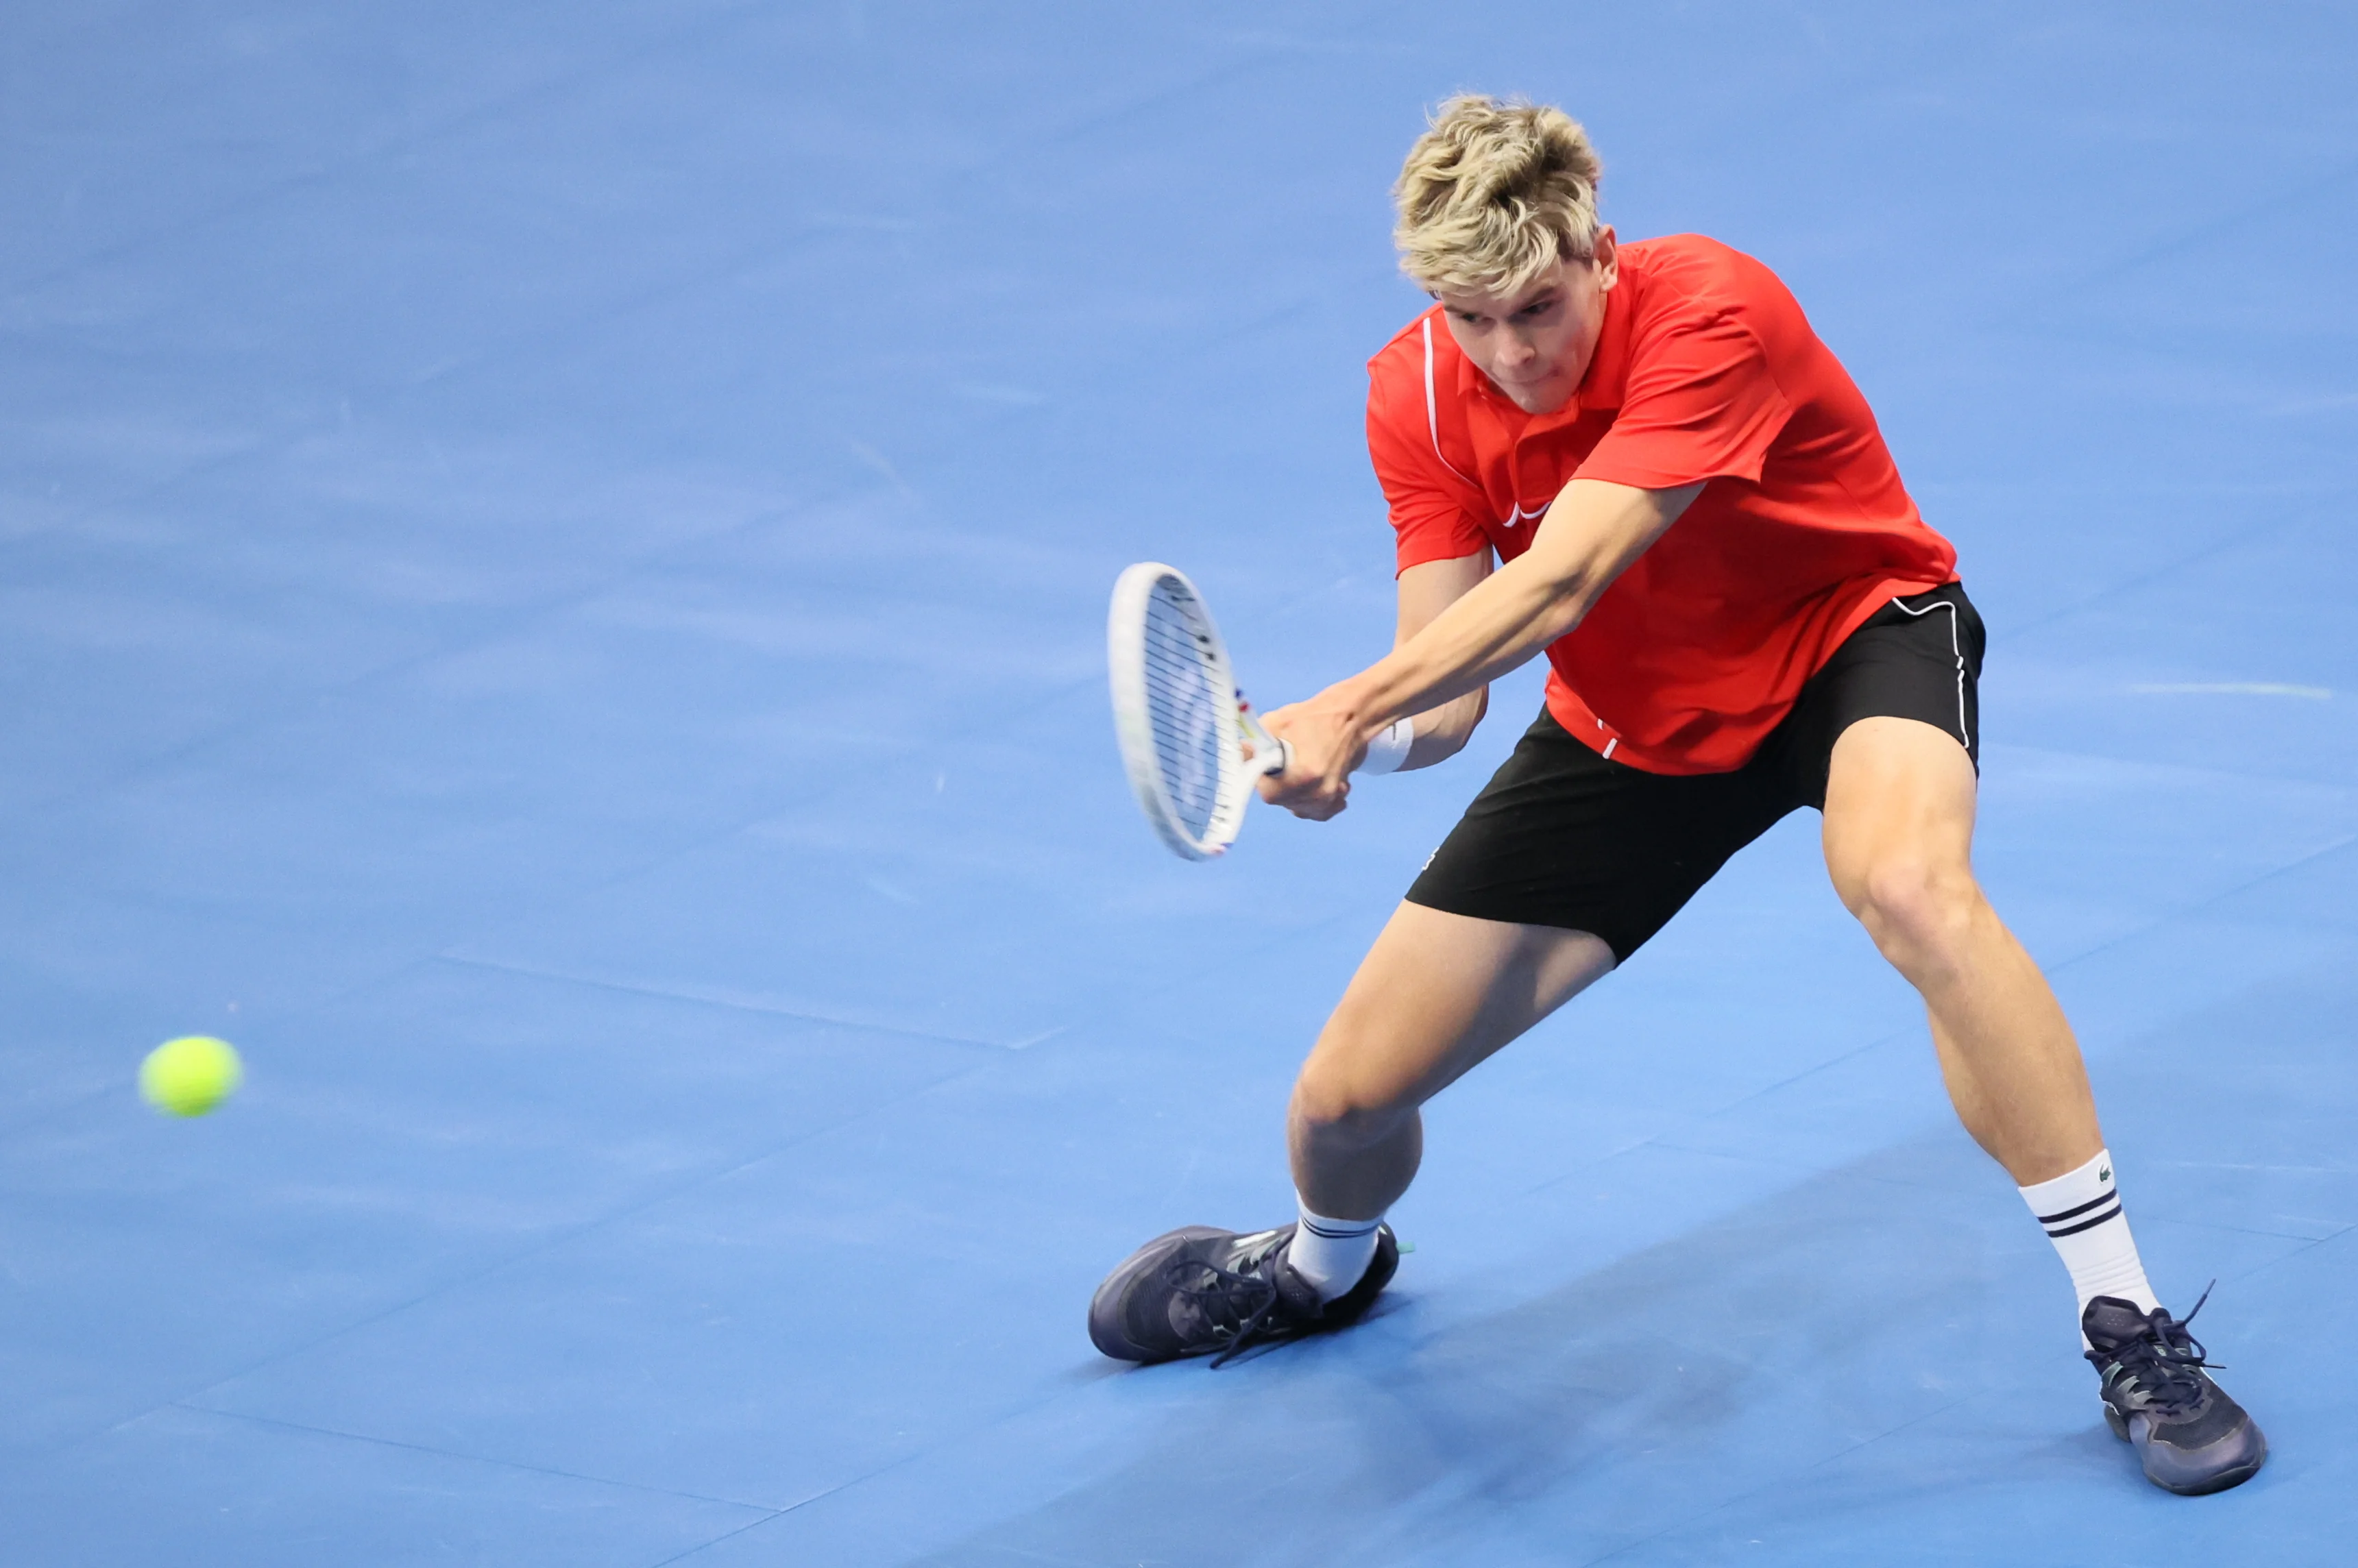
x=1389, y=750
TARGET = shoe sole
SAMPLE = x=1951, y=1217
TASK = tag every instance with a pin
x=2202, y=1487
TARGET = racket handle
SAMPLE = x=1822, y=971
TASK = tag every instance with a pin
x=1270, y=755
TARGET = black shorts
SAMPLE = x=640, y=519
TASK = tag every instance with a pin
x=1561, y=836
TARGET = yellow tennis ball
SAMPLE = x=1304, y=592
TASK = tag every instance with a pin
x=189, y=1076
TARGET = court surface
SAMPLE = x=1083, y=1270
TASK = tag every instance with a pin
x=555, y=559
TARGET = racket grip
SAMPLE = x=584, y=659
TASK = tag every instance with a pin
x=1270, y=755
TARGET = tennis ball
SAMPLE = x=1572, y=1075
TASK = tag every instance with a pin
x=189, y=1076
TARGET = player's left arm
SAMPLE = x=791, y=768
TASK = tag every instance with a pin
x=1591, y=532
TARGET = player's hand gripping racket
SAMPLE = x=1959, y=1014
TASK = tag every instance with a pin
x=1183, y=724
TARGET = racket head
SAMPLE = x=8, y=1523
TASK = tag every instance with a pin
x=1175, y=711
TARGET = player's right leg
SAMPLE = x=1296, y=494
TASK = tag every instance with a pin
x=1436, y=994
x=1563, y=866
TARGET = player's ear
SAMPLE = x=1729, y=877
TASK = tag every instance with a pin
x=1607, y=259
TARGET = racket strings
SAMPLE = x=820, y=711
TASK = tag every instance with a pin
x=1187, y=711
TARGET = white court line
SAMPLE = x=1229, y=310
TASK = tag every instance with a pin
x=2234, y=689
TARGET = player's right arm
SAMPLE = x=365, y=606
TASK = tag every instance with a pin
x=1425, y=590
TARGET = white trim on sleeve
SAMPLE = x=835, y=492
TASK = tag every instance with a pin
x=1433, y=405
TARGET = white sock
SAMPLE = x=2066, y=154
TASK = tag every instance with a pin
x=2082, y=1214
x=1331, y=1254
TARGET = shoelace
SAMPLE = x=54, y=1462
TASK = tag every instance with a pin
x=2165, y=1362
x=1223, y=1300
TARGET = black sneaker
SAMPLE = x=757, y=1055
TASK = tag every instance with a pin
x=1196, y=1291
x=2192, y=1437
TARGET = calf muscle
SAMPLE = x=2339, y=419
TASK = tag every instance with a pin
x=1436, y=994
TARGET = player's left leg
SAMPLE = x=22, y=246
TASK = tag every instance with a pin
x=1898, y=841
x=1899, y=836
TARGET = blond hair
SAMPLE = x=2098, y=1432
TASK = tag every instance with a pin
x=1493, y=194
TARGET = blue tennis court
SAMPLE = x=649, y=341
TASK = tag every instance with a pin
x=555, y=574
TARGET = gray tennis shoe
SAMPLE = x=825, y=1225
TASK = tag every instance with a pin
x=1197, y=1290
x=2158, y=1397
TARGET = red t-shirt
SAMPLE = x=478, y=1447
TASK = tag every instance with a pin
x=1705, y=369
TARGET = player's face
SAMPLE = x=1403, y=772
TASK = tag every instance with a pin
x=1535, y=343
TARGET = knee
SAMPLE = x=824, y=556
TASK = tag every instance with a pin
x=1335, y=1107
x=1917, y=910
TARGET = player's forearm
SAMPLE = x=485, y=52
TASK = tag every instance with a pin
x=1591, y=532
x=1425, y=590
x=1441, y=732
x=1496, y=626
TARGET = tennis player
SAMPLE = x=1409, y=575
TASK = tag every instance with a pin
x=1640, y=460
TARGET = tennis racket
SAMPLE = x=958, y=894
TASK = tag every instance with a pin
x=1182, y=722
